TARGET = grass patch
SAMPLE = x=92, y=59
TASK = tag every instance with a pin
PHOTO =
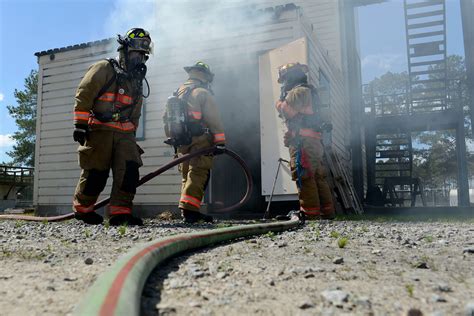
x=428, y=238
x=334, y=234
x=410, y=289
x=342, y=242
x=122, y=230
x=87, y=232
x=317, y=233
x=65, y=243
x=424, y=262
x=24, y=254
x=270, y=235
x=6, y=253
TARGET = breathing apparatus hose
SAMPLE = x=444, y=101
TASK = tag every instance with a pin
x=148, y=177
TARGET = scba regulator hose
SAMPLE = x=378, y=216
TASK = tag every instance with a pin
x=148, y=177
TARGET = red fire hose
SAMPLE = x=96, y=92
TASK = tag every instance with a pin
x=147, y=178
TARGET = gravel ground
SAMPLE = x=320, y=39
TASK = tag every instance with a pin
x=324, y=268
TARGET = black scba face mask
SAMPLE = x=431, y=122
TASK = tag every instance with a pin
x=136, y=66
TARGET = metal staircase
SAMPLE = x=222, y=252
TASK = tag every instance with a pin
x=393, y=166
x=425, y=25
x=393, y=156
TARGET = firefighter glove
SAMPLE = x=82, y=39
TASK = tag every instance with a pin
x=220, y=149
x=80, y=133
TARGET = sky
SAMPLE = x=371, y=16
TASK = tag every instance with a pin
x=382, y=37
x=36, y=25
x=29, y=26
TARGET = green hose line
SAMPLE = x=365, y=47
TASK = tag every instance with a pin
x=118, y=291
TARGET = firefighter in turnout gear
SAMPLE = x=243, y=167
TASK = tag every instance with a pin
x=107, y=108
x=298, y=107
x=192, y=122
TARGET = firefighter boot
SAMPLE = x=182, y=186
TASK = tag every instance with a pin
x=192, y=217
x=91, y=218
x=125, y=219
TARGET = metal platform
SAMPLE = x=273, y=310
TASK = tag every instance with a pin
x=15, y=177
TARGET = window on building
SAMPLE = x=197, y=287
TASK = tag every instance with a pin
x=141, y=125
x=324, y=90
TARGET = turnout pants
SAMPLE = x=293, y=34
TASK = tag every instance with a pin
x=195, y=175
x=102, y=151
x=310, y=176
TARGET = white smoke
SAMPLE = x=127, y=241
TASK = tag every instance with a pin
x=223, y=34
x=186, y=31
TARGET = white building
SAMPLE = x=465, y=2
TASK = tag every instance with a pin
x=244, y=52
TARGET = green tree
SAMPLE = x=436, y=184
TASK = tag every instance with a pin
x=388, y=93
x=24, y=113
x=389, y=83
x=435, y=160
x=456, y=68
x=438, y=165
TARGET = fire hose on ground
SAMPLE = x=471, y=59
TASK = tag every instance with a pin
x=118, y=291
x=148, y=177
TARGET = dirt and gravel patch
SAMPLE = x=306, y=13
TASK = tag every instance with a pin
x=324, y=268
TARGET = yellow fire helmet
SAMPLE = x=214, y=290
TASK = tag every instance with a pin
x=201, y=67
x=136, y=39
x=285, y=69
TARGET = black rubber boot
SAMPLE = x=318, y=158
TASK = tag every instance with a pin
x=191, y=217
x=91, y=218
x=125, y=219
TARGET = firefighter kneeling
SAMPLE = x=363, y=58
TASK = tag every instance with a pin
x=298, y=107
x=106, y=113
x=191, y=123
